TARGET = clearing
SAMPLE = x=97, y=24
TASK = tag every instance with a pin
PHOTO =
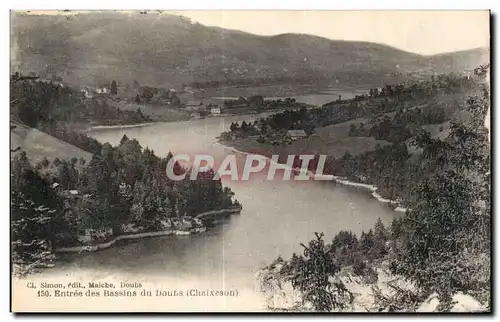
x=38, y=145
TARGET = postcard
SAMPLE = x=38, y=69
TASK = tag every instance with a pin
x=250, y=161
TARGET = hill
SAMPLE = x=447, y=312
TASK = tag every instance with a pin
x=39, y=145
x=167, y=50
x=464, y=60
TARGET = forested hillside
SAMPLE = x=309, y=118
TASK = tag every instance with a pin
x=166, y=50
x=441, y=246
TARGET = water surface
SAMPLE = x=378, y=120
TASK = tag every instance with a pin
x=277, y=216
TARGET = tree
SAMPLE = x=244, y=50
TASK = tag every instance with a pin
x=35, y=217
x=345, y=247
x=367, y=243
x=234, y=126
x=244, y=126
x=313, y=278
x=353, y=130
x=124, y=139
x=380, y=238
x=448, y=226
x=174, y=99
x=396, y=228
x=45, y=162
x=56, y=162
x=65, y=175
x=256, y=100
x=362, y=128
x=114, y=89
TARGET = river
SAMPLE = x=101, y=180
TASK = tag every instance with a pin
x=277, y=216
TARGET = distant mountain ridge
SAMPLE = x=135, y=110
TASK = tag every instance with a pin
x=168, y=50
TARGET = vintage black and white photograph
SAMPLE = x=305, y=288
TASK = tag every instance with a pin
x=250, y=161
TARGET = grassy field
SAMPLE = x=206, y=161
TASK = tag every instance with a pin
x=155, y=113
x=332, y=140
x=38, y=145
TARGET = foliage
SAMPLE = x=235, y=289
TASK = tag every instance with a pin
x=114, y=89
x=313, y=278
x=450, y=216
x=36, y=217
x=442, y=244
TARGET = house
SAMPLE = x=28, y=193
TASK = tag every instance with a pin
x=193, y=105
x=215, y=110
x=57, y=188
x=87, y=92
x=468, y=73
x=102, y=90
x=69, y=194
x=296, y=134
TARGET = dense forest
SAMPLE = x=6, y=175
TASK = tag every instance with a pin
x=441, y=245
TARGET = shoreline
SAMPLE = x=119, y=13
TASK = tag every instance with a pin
x=340, y=180
x=124, y=126
x=170, y=232
x=246, y=113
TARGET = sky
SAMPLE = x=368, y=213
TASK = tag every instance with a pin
x=422, y=32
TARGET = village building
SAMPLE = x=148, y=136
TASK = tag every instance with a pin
x=296, y=134
x=468, y=73
x=215, y=110
x=194, y=105
x=103, y=89
x=195, y=115
x=56, y=186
